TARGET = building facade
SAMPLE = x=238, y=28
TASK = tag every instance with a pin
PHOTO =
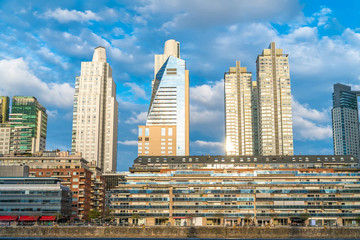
x=167, y=126
x=28, y=120
x=238, y=111
x=4, y=109
x=275, y=133
x=31, y=199
x=95, y=114
x=240, y=190
x=83, y=179
x=345, y=121
x=5, y=138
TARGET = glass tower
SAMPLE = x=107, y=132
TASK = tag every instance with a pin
x=167, y=125
x=28, y=120
x=345, y=121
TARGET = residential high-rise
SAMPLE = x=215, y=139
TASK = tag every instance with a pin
x=95, y=113
x=345, y=121
x=275, y=133
x=238, y=111
x=254, y=109
x=4, y=109
x=5, y=138
x=167, y=126
x=5, y=128
x=28, y=120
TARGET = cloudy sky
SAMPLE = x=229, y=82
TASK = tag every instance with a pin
x=42, y=44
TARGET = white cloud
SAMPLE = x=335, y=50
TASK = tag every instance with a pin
x=207, y=147
x=208, y=95
x=65, y=15
x=306, y=123
x=52, y=113
x=209, y=144
x=50, y=56
x=195, y=14
x=323, y=16
x=207, y=110
x=312, y=114
x=137, y=118
x=84, y=42
x=137, y=90
x=128, y=143
x=18, y=79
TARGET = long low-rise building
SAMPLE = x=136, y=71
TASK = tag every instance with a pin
x=29, y=200
x=83, y=178
x=240, y=190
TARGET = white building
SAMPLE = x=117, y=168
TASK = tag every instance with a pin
x=95, y=114
x=238, y=111
x=274, y=103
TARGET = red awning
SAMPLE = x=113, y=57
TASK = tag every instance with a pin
x=8, y=218
x=28, y=218
x=47, y=218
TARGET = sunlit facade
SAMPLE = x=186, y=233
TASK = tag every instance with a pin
x=275, y=132
x=167, y=126
x=238, y=111
x=95, y=114
x=239, y=190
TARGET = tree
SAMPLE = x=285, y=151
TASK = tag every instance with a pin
x=94, y=214
x=108, y=214
x=304, y=216
x=58, y=216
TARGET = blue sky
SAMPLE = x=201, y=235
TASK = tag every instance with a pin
x=42, y=44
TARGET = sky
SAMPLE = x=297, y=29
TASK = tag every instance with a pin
x=42, y=45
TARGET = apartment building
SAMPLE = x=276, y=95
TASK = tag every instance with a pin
x=239, y=190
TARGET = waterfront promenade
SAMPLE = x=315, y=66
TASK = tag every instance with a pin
x=182, y=232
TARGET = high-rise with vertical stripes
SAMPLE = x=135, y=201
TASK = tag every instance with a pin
x=258, y=114
x=167, y=126
x=95, y=114
x=238, y=111
x=275, y=132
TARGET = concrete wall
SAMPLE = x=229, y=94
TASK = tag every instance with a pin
x=180, y=232
x=14, y=171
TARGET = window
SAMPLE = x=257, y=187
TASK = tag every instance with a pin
x=146, y=132
x=140, y=132
x=163, y=131
x=170, y=132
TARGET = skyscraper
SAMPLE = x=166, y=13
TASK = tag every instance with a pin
x=95, y=113
x=28, y=120
x=4, y=109
x=167, y=126
x=238, y=111
x=345, y=121
x=275, y=131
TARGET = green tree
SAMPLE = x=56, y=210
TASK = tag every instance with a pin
x=108, y=214
x=94, y=214
x=304, y=216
